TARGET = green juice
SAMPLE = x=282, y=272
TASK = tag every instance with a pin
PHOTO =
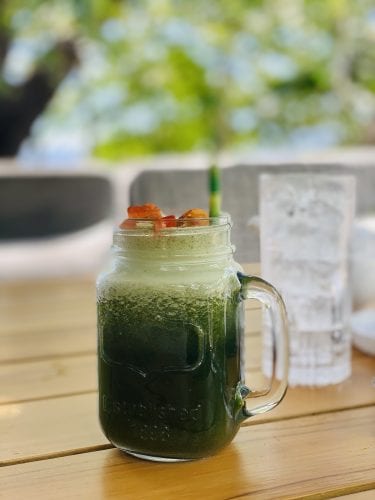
x=169, y=352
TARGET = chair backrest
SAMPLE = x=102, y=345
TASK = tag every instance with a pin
x=35, y=206
x=177, y=190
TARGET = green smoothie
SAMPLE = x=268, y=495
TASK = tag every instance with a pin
x=169, y=350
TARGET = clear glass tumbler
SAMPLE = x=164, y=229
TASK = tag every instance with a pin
x=305, y=228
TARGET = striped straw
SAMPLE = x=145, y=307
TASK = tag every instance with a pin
x=215, y=191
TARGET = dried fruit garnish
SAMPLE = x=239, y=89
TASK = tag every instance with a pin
x=169, y=221
x=151, y=212
x=198, y=215
x=147, y=211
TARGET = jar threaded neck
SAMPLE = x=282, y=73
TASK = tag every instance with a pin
x=193, y=242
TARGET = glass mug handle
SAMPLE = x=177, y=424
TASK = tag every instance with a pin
x=253, y=287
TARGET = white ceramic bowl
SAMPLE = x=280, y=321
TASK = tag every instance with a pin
x=363, y=329
x=362, y=261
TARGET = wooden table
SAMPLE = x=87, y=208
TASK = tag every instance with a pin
x=318, y=443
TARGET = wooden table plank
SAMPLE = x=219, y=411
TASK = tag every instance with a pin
x=47, y=318
x=363, y=495
x=49, y=427
x=18, y=320
x=46, y=292
x=46, y=307
x=325, y=455
x=45, y=379
x=46, y=344
x=41, y=319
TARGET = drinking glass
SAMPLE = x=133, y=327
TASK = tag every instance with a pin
x=305, y=228
x=170, y=340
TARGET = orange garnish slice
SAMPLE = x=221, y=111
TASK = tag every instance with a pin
x=150, y=211
x=198, y=215
x=146, y=211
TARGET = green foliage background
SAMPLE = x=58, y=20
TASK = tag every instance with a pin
x=179, y=75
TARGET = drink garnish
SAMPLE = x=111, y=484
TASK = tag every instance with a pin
x=150, y=215
x=169, y=221
x=146, y=211
x=194, y=217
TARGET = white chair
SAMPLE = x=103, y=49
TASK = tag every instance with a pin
x=53, y=224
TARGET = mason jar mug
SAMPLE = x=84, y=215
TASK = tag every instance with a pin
x=170, y=336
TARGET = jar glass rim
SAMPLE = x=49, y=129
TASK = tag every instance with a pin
x=182, y=224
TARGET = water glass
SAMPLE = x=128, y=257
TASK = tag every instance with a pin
x=305, y=227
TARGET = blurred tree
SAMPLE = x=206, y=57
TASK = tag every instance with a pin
x=172, y=75
x=21, y=105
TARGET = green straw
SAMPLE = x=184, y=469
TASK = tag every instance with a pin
x=215, y=191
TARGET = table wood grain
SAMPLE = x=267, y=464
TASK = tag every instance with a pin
x=318, y=443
